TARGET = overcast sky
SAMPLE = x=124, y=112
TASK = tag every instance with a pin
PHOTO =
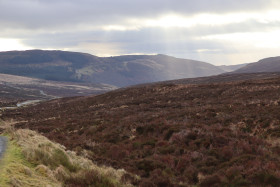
x=216, y=31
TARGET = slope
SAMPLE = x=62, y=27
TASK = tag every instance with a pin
x=173, y=134
x=33, y=160
x=271, y=64
x=14, y=89
x=119, y=71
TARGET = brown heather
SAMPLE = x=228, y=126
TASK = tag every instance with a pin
x=171, y=134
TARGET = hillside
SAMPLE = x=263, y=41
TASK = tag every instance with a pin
x=173, y=134
x=271, y=64
x=32, y=160
x=14, y=89
x=118, y=71
x=223, y=78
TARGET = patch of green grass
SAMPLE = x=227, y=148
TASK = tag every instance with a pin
x=54, y=160
x=15, y=170
x=33, y=160
x=63, y=159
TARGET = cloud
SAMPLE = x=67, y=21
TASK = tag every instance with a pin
x=198, y=29
x=99, y=49
x=38, y=14
x=10, y=44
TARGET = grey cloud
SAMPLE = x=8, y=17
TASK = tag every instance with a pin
x=63, y=24
x=36, y=14
x=148, y=34
x=147, y=40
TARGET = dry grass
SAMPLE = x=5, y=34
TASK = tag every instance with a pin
x=52, y=161
x=17, y=171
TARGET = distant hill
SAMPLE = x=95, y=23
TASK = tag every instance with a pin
x=232, y=67
x=271, y=64
x=118, y=71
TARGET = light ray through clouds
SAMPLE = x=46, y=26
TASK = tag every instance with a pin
x=7, y=44
x=219, y=32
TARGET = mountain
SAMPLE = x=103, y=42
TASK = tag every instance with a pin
x=271, y=64
x=118, y=71
x=214, y=133
x=232, y=67
x=48, y=65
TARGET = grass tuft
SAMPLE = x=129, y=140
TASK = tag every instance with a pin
x=32, y=159
x=17, y=171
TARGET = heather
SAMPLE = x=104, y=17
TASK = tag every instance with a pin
x=172, y=134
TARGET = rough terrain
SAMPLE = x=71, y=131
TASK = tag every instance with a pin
x=176, y=133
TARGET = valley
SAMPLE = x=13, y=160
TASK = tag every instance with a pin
x=14, y=89
x=218, y=128
x=139, y=93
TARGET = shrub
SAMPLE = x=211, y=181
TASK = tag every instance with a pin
x=89, y=178
x=53, y=159
x=150, y=142
x=169, y=133
x=60, y=157
x=137, y=145
x=159, y=179
x=265, y=178
x=146, y=165
x=140, y=130
x=147, y=183
x=191, y=173
x=212, y=180
x=167, y=150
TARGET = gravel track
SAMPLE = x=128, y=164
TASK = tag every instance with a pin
x=2, y=145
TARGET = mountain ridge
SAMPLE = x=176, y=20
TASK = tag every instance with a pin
x=118, y=71
x=270, y=64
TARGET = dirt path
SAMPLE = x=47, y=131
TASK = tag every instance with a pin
x=2, y=145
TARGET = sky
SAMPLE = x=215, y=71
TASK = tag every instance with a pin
x=221, y=32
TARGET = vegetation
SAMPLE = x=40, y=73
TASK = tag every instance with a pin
x=119, y=71
x=17, y=171
x=33, y=160
x=14, y=89
x=171, y=134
